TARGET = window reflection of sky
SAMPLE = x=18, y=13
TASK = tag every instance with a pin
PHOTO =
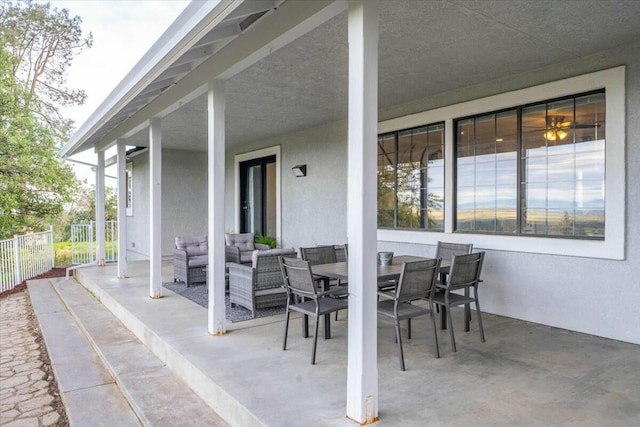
x=558, y=180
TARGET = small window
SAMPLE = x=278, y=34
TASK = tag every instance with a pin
x=129, y=181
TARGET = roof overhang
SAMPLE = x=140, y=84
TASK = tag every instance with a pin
x=199, y=32
x=431, y=54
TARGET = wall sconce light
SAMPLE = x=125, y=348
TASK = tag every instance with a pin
x=299, y=170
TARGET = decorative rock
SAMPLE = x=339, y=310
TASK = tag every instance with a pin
x=28, y=391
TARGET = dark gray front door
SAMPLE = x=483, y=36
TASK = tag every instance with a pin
x=258, y=196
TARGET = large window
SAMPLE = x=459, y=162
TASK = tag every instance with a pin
x=555, y=150
x=411, y=178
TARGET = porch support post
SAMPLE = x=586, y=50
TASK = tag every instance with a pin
x=215, y=200
x=362, y=368
x=122, y=209
x=100, y=213
x=155, y=208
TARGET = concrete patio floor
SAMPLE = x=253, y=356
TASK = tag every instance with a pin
x=524, y=374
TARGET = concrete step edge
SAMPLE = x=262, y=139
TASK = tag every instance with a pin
x=216, y=397
x=84, y=334
x=137, y=410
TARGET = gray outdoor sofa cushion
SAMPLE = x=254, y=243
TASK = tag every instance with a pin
x=240, y=246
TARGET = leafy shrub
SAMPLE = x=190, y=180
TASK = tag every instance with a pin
x=267, y=240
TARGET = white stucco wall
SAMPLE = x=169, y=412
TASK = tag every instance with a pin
x=314, y=207
x=184, y=201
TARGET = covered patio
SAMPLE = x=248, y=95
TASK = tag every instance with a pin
x=524, y=374
x=318, y=84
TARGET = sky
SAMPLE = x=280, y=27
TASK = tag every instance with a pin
x=123, y=31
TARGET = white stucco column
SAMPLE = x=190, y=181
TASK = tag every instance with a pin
x=122, y=209
x=215, y=200
x=155, y=208
x=100, y=220
x=362, y=369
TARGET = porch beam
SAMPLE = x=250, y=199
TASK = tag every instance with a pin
x=155, y=207
x=100, y=211
x=122, y=208
x=215, y=201
x=362, y=366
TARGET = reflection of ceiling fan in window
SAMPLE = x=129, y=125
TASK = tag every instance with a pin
x=556, y=128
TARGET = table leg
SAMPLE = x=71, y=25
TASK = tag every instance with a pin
x=305, y=326
x=327, y=317
x=467, y=312
x=443, y=317
x=443, y=309
x=305, y=322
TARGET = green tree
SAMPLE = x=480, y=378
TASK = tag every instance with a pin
x=43, y=42
x=35, y=183
x=82, y=210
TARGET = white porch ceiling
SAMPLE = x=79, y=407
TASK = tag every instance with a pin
x=426, y=48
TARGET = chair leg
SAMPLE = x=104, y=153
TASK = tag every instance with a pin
x=408, y=329
x=479, y=319
x=286, y=328
x=435, y=333
x=450, y=320
x=399, y=341
x=315, y=341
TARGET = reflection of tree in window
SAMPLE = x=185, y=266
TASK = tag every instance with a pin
x=411, y=178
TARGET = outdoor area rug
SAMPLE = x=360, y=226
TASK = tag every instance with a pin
x=198, y=294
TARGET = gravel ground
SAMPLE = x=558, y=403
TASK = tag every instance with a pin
x=29, y=393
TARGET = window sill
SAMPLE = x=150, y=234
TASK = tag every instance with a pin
x=601, y=249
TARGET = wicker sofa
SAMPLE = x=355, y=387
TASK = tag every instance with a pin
x=190, y=259
x=240, y=246
x=260, y=284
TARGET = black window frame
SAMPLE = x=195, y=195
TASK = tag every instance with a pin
x=519, y=169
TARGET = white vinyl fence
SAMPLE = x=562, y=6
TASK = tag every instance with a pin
x=83, y=242
x=25, y=257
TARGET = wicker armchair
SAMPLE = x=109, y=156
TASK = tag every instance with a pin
x=240, y=246
x=260, y=284
x=190, y=259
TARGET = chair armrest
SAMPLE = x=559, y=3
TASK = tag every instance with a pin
x=262, y=247
x=241, y=279
x=232, y=254
x=335, y=291
x=240, y=269
x=387, y=295
x=180, y=255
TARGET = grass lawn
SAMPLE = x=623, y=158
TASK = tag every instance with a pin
x=62, y=254
x=63, y=251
